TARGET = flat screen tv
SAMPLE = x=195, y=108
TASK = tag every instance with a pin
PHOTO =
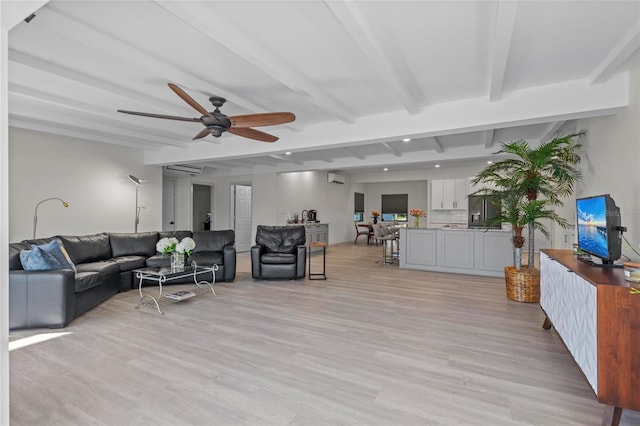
x=599, y=229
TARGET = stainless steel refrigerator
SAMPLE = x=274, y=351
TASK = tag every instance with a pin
x=480, y=210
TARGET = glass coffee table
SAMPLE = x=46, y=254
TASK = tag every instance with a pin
x=166, y=275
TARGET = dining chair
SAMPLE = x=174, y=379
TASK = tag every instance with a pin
x=362, y=229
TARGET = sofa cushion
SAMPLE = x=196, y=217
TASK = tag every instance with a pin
x=278, y=258
x=38, y=259
x=57, y=250
x=206, y=258
x=280, y=239
x=139, y=244
x=104, y=268
x=159, y=261
x=129, y=263
x=179, y=235
x=14, y=255
x=87, y=280
x=87, y=248
x=208, y=241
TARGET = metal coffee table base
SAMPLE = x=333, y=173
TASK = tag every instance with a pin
x=164, y=275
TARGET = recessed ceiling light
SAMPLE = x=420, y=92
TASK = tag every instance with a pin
x=287, y=153
x=386, y=169
x=406, y=140
x=437, y=165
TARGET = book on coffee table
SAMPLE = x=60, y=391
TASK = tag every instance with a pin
x=180, y=295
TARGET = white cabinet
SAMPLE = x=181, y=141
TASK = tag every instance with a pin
x=421, y=247
x=464, y=251
x=449, y=194
x=456, y=249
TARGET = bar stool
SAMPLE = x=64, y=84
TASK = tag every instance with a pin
x=380, y=235
x=318, y=275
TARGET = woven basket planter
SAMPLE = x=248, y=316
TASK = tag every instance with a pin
x=522, y=285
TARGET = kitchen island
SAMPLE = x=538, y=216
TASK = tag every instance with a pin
x=460, y=251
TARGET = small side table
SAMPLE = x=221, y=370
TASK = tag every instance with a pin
x=318, y=275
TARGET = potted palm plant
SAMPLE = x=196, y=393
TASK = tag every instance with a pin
x=528, y=185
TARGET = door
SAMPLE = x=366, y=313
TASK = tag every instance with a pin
x=242, y=217
x=168, y=205
x=201, y=207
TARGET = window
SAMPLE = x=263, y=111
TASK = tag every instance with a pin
x=358, y=208
x=394, y=207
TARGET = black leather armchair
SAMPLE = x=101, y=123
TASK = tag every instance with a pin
x=279, y=253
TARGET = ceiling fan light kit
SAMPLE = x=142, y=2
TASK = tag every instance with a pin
x=216, y=123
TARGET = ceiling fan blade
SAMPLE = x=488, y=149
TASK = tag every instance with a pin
x=188, y=99
x=252, y=134
x=265, y=119
x=205, y=132
x=168, y=117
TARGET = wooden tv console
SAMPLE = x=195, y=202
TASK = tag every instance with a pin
x=598, y=319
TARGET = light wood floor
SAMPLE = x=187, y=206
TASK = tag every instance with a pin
x=373, y=345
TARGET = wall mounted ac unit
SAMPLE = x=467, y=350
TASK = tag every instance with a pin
x=335, y=178
x=184, y=169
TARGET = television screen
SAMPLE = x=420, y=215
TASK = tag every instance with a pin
x=598, y=227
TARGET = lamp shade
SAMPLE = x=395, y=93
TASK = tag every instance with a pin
x=136, y=180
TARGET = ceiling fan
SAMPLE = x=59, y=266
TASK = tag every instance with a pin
x=216, y=123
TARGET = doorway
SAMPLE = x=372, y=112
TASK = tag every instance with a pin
x=201, y=208
x=242, y=216
x=168, y=205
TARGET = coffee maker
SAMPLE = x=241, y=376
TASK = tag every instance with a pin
x=312, y=215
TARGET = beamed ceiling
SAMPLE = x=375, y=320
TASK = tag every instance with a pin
x=457, y=77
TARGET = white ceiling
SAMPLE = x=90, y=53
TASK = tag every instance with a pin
x=458, y=77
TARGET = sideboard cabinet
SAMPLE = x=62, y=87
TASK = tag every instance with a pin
x=598, y=318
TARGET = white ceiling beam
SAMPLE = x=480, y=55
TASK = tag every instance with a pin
x=392, y=149
x=87, y=80
x=363, y=36
x=542, y=104
x=625, y=47
x=227, y=163
x=552, y=130
x=355, y=153
x=97, y=115
x=436, y=144
x=125, y=51
x=286, y=159
x=57, y=128
x=488, y=138
x=505, y=22
x=251, y=50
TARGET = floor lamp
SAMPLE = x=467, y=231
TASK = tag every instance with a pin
x=35, y=214
x=138, y=183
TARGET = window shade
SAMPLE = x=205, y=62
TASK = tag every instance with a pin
x=359, y=203
x=394, y=203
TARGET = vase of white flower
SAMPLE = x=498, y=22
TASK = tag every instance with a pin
x=177, y=250
x=177, y=261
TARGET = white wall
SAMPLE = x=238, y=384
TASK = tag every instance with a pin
x=610, y=160
x=311, y=191
x=91, y=177
x=416, y=195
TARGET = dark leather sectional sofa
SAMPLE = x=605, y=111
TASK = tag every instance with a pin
x=104, y=266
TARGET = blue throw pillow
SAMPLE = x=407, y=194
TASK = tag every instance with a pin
x=38, y=260
x=57, y=250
